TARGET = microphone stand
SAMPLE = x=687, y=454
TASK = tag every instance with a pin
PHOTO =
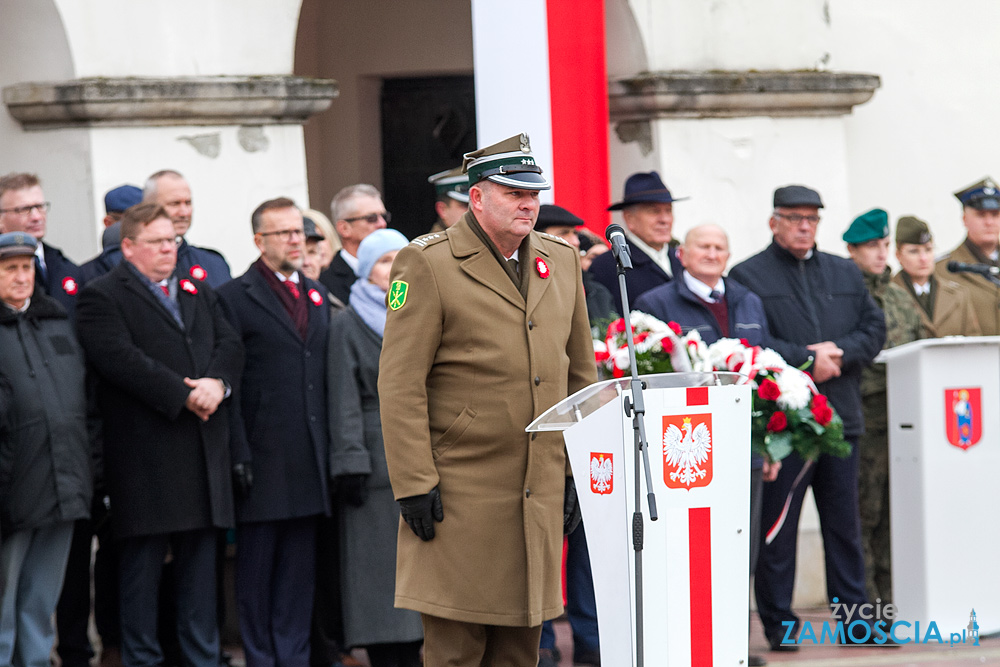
x=636, y=409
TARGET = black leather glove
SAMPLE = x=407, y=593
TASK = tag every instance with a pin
x=242, y=478
x=571, y=508
x=353, y=489
x=420, y=513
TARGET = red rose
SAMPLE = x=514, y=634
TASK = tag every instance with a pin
x=819, y=401
x=777, y=422
x=676, y=328
x=619, y=325
x=822, y=414
x=667, y=345
x=769, y=390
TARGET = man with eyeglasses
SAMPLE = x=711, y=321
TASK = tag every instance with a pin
x=357, y=211
x=23, y=209
x=170, y=190
x=166, y=360
x=818, y=312
x=280, y=441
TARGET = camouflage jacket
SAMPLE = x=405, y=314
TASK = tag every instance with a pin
x=902, y=324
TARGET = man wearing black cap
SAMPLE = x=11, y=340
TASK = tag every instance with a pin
x=981, y=216
x=818, y=311
x=503, y=336
x=648, y=209
x=451, y=190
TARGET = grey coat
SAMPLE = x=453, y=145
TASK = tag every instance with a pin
x=45, y=463
x=368, y=537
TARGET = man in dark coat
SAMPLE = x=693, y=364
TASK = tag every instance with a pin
x=116, y=202
x=23, y=209
x=648, y=210
x=166, y=360
x=819, y=311
x=280, y=438
x=170, y=190
x=45, y=475
x=357, y=211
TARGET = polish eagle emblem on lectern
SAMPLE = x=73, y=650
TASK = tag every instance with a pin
x=602, y=478
x=687, y=451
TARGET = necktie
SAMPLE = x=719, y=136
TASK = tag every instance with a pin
x=293, y=288
x=40, y=268
x=166, y=290
x=513, y=265
x=715, y=296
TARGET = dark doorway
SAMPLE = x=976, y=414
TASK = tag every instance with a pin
x=427, y=125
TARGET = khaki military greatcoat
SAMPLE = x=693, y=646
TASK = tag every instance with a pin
x=466, y=364
x=953, y=312
x=985, y=295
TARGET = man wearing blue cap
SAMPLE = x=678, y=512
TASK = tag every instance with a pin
x=819, y=314
x=23, y=209
x=868, y=244
x=486, y=329
x=116, y=200
x=981, y=216
x=648, y=210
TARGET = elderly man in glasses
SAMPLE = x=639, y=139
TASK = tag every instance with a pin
x=23, y=209
x=357, y=211
x=818, y=310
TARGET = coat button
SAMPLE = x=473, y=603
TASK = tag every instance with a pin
x=538, y=380
x=527, y=493
x=308, y=353
x=531, y=325
x=310, y=387
x=312, y=419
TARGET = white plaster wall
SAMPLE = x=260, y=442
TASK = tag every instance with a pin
x=224, y=189
x=180, y=37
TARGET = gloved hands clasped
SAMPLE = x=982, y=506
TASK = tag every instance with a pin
x=571, y=507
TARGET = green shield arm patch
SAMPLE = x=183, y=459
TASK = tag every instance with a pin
x=397, y=294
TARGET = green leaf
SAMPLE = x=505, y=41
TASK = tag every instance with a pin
x=779, y=445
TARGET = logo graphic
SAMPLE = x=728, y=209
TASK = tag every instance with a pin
x=315, y=297
x=397, y=294
x=963, y=416
x=541, y=267
x=198, y=273
x=188, y=286
x=602, y=479
x=687, y=451
x=69, y=285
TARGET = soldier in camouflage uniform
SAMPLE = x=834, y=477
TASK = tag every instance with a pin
x=868, y=243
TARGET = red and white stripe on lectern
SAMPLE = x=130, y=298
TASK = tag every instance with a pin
x=700, y=564
x=540, y=68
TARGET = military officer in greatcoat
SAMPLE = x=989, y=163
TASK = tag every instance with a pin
x=451, y=190
x=487, y=328
x=981, y=216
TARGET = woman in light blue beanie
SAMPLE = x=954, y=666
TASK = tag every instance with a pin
x=369, y=515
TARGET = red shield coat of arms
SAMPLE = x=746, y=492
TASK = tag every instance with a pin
x=963, y=416
x=687, y=451
x=602, y=477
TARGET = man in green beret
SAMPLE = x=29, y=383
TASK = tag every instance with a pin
x=981, y=216
x=868, y=244
x=945, y=305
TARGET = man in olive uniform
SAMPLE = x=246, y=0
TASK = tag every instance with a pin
x=868, y=243
x=451, y=190
x=503, y=335
x=945, y=306
x=981, y=216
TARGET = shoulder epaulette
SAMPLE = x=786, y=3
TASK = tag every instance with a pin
x=550, y=237
x=428, y=239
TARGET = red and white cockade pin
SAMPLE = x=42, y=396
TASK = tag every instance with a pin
x=198, y=273
x=315, y=297
x=188, y=286
x=541, y=267
x=70, y=285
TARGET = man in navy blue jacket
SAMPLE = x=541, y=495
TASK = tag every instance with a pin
x=280, y=441
x=648, y=210
x=819, y=311
x=717, y=307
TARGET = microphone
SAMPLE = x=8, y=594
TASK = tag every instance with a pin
x=981, y=269
x=619, y=246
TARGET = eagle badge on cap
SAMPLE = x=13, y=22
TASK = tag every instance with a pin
x=198, y=273
x=70, y=286
x=541, y=267
x=525, y=146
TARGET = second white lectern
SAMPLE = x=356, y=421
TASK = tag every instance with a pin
x=695, y=562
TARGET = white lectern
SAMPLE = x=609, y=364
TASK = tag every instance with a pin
x=944, y=480
x=696, y=556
